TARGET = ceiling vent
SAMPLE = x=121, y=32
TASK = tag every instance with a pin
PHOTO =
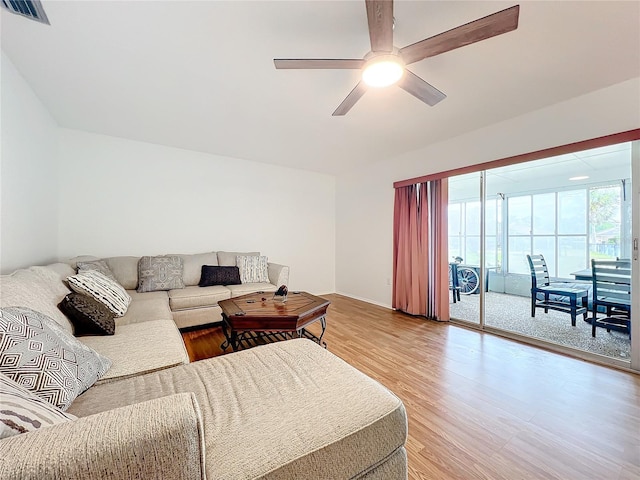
x=27, y=8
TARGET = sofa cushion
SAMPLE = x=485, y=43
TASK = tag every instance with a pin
x=125, y=269
x=228, y=259
x=195, y=297
x=306, y=409
x=40, y=355
x=145, y=307
x=23, y=411
x=137, y=296
x=73, y=262
x=214, y=275
x=253, y=269
x=141, y=347
x=89, y=317
x=103, y=289
x=193, y=265
x=39, y=288
x=163, y=272
x=245, y=288
x=99, y=265
x=197, y=316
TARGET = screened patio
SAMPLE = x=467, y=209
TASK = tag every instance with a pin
x=571, y=208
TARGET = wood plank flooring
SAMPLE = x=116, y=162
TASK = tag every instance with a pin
x=481, y=406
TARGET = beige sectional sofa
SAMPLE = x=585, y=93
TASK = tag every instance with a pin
x=193, y=305
x=146, y=338
x=281, y=411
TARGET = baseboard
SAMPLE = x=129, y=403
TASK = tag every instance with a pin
x=362, y=299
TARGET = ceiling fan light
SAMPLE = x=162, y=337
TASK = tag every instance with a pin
x=382, y=72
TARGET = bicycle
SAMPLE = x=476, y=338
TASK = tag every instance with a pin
x=468, y=279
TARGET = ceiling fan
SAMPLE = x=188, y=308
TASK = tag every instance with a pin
x=385, y=64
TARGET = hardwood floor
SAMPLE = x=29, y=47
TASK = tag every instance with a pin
x=481, y=406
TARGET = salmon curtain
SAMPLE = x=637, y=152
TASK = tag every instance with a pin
x=420, y=267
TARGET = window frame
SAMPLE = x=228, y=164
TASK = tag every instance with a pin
x=531, y=193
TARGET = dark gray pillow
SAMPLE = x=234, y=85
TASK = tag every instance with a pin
x=213, y=275
x=89, y=317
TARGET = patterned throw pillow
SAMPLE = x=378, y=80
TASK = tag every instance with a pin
x=98, y=286
x=89, y=316
x=99, y=266
x=213, y=275
x=253, y=269
x=160, y=273
x=22, y=411
x=40, y=355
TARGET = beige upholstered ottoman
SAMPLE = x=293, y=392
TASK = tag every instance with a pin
x=285, y=410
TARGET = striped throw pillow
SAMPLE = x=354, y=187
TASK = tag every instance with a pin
x=253, y=269
x=103, y=289
x=23, y=411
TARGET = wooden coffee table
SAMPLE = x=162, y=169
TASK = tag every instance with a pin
x=258, y=318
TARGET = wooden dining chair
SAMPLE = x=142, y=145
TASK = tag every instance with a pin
x=544, y=294
x=611, y=290
x=454, y=283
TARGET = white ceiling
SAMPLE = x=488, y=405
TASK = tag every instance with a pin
x=200, y=75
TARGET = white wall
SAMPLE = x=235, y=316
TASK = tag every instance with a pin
x=122, y=197
x=28, y=172
x=364, y=198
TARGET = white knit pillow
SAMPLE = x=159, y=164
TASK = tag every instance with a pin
x=103, y=289
x=253, y=269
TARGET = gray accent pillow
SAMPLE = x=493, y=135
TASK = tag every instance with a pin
x=40, y=355
x=22, y=411
x=163, y=272
x=99, y=266
x=89, y=316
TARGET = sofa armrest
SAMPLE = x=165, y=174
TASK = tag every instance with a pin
x=278, y=274
x=160, y=438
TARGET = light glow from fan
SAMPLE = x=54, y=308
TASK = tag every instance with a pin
x=382, y=71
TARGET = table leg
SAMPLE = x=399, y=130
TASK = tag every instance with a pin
x=231, y=337
x=304, y=333
x=323, y=323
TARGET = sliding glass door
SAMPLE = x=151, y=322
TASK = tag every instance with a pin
x=570, y=209
x=634, y=254
x=464, y=247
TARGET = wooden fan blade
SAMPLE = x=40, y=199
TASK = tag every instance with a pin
x=351, y=100
x=318, y=63
x=380, y=18
x=481, y=29
x=420, y=89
